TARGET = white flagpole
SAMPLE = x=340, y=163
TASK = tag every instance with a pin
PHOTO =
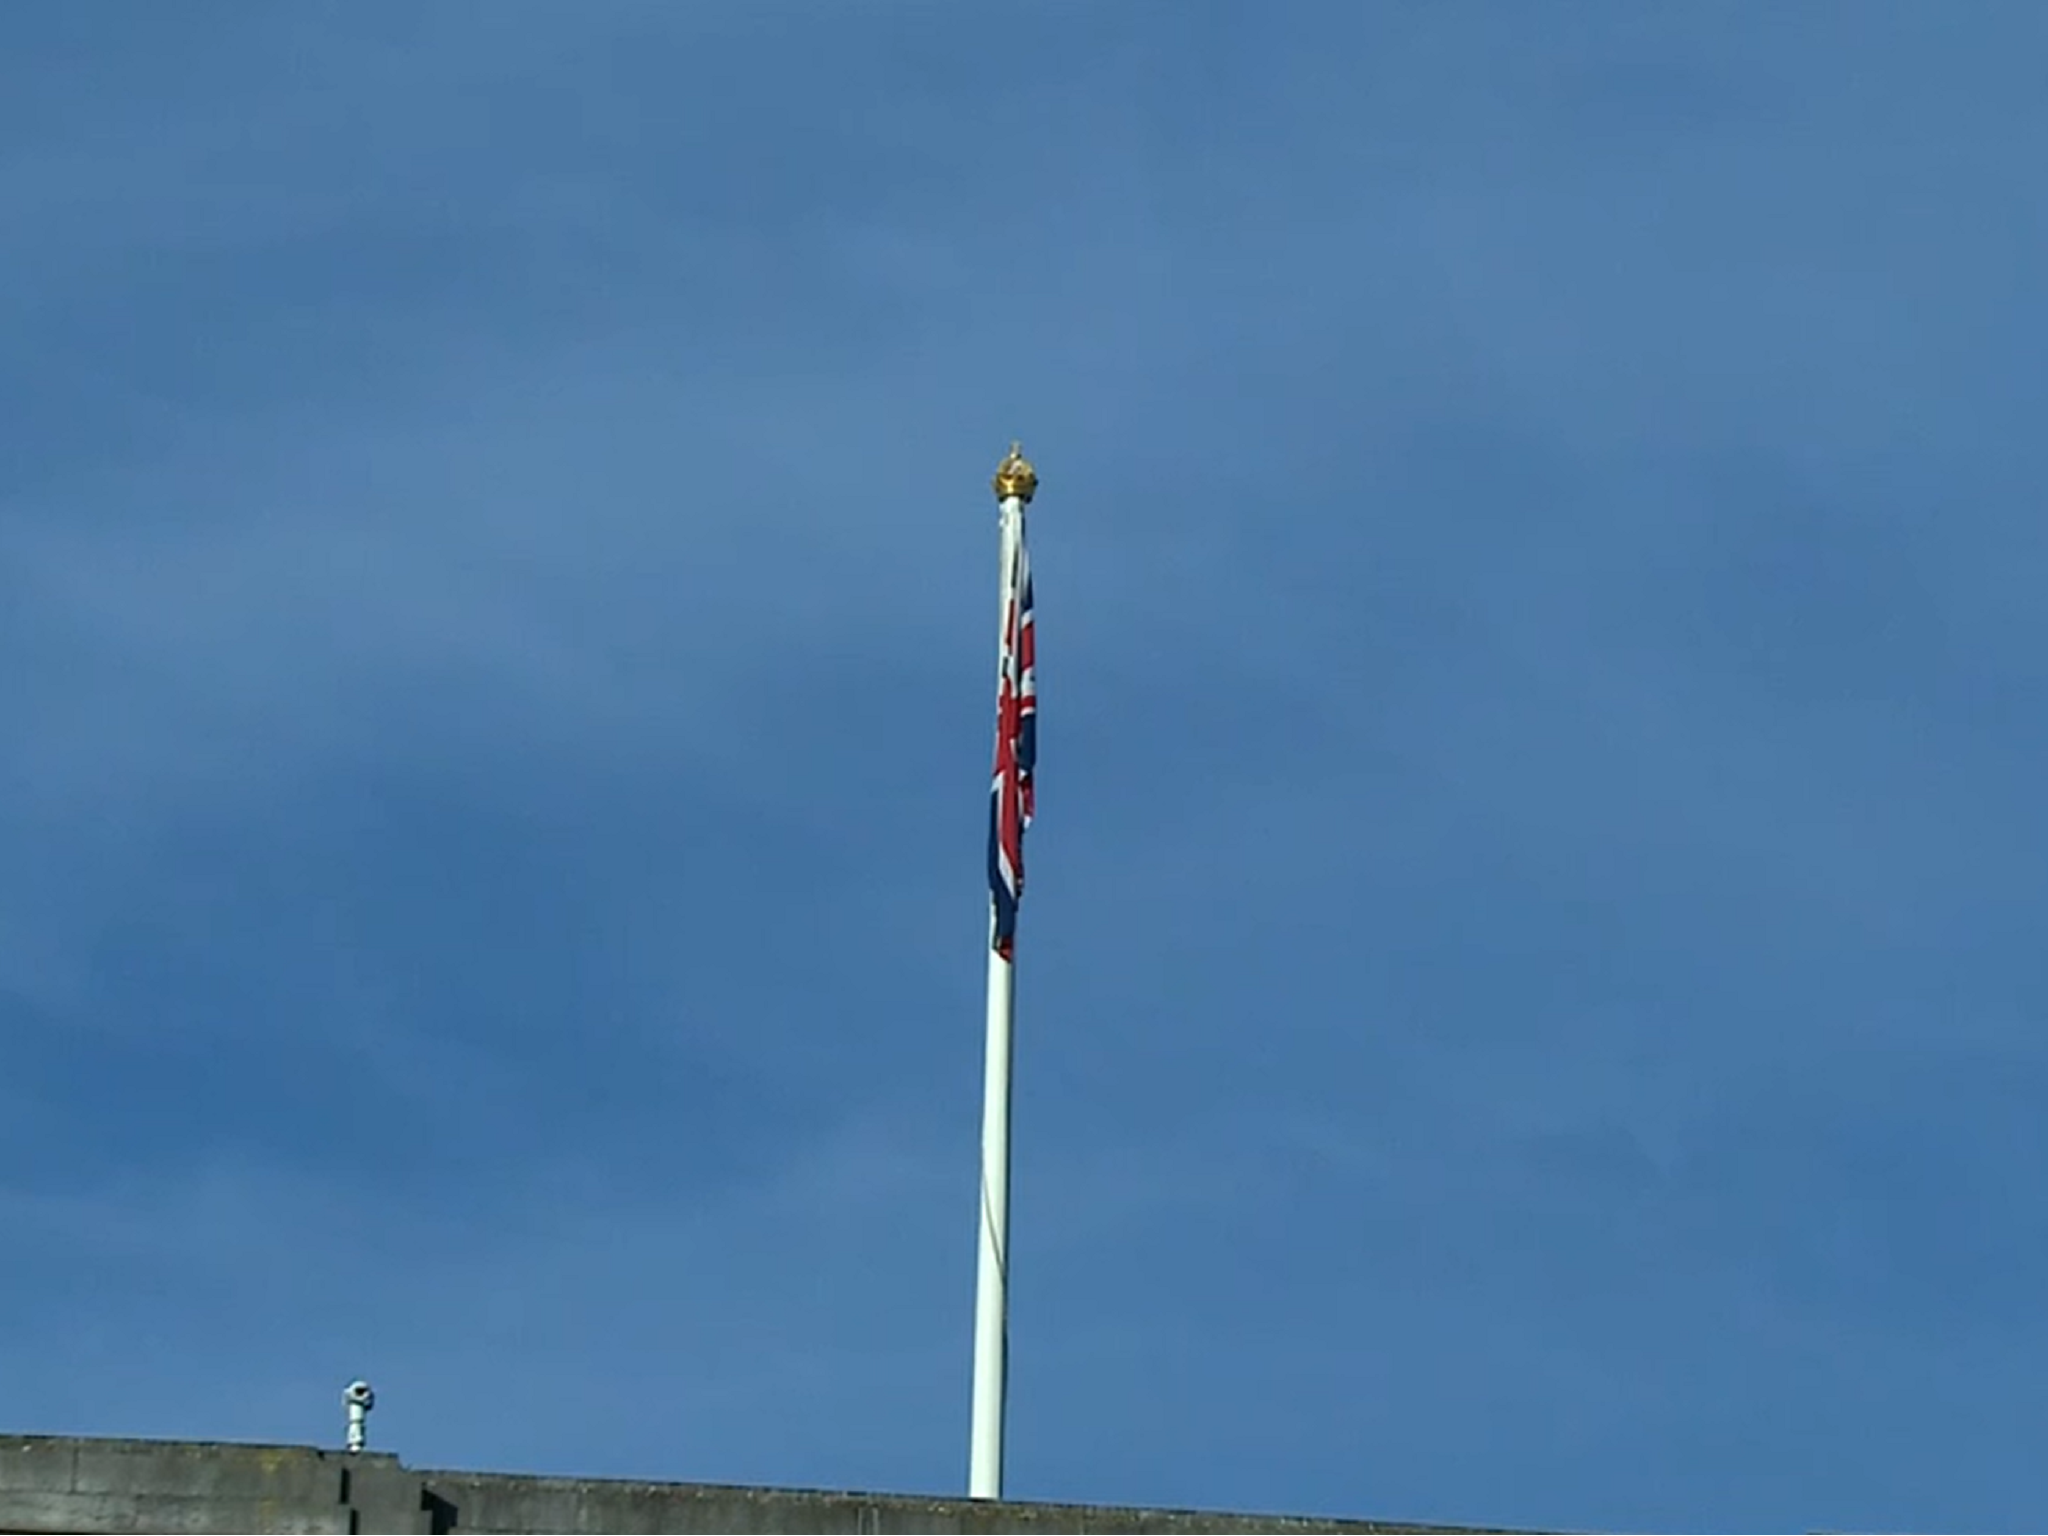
x=1015, y=482
x=992, y=1280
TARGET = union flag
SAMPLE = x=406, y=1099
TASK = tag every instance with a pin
x=1016, y=754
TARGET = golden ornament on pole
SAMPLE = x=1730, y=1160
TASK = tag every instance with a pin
x=1015, y=476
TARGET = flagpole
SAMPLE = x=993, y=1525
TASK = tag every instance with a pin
x=1015, y=483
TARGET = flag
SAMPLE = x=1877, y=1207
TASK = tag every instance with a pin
x=1016, y=755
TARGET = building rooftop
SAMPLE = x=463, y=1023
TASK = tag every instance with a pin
x=53, y=1483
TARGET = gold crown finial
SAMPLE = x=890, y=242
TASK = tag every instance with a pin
x=1015, y=476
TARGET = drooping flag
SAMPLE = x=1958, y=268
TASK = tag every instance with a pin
x=1016, y=754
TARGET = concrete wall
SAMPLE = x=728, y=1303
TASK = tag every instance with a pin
x=51, y=1484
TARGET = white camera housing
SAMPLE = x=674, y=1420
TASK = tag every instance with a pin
x=360, y=1400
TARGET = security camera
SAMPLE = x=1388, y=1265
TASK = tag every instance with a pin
x=360, y=1400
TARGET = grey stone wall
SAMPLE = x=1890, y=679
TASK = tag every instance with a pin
x=53, y=1484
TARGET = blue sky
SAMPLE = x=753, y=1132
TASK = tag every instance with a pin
x=1531, y=987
